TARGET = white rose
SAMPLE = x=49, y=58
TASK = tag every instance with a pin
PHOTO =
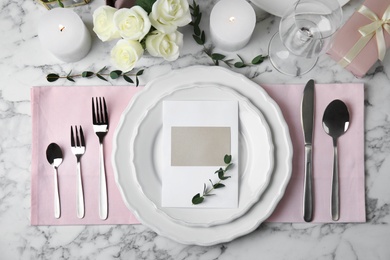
x=103, y=24
x=167, y=15
x=164, y=45
x=125, y=54
x=133, y=23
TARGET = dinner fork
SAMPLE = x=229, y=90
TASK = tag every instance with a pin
x=77, y=144
x=100, y=126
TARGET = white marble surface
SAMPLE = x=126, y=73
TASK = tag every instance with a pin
x=23, y=63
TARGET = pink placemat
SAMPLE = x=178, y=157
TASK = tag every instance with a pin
x=55, y=109
x=351, y=154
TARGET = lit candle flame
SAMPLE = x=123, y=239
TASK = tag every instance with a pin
x=232, y=19
x=61, y=27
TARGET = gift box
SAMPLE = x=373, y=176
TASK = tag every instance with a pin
x=364, y=38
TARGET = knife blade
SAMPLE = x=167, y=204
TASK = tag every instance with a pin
x=307, y=121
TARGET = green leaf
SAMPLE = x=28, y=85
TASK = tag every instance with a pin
x=197, y=30
x=258, y=59
x=221, y=176
x=115, y=74
x=198, y=19
x=60, y=3
x=217, y=56
x=70, y=79
x=203, y=37
x=140, y=72
x=218, y=171
x=227, y=159
x=197, y=39
x=197, y=199
x=101, y=77
x=239, y=64
x=101, y=70
x=145, y=4
x=128, y=79
x=196, y=10
x=218, y=185
x=70, y=72
x=52, y=77
x=136, y=81
x=87, y=74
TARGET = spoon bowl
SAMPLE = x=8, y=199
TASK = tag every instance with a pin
x=335, y=123
x=54, y=157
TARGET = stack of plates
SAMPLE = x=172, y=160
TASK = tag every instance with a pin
x=264, y=139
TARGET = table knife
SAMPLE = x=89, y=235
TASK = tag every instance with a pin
x=307, y=120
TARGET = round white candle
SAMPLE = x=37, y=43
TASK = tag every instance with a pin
x=231, y=24
x=64, y=34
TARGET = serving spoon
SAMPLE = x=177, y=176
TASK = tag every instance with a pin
x=54, y=157
x=335, y=123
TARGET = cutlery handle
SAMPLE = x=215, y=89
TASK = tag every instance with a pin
x=57, y=207
x=335, y=199
x=103, y=201
x=80, y=192
x=308, y=186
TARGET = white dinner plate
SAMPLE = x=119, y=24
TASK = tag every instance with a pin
x=141, y=206
x=256, y=154
x=278, y=7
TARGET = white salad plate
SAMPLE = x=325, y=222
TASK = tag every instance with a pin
x=255, y=162
x=140, y=205
x=278, y=7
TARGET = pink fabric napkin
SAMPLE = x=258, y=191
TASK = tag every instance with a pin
x=55, y=109
x=351, y=154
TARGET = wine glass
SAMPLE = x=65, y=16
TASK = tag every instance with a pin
x=306, y=31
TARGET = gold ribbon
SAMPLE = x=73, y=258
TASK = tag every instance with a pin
x=368, y=31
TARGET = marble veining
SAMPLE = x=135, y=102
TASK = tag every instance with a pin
x=23, y=63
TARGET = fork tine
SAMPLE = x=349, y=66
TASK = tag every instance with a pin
x=71, y=137
x=94, y=119
x=101, y=111
x=77, y=136
x=105, y=111
x=82, y=137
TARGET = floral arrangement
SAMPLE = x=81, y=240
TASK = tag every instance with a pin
x=150, y=25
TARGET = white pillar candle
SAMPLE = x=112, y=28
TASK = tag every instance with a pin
x=231, y=24
x=64, y=34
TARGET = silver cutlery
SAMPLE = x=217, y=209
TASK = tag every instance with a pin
x=77, y=144
x=307, y=120
x=100, y=126
x=54, y=157
x=335, y=123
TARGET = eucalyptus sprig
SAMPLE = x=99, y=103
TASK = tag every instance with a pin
x=101, y=74
x=197, y=199
x=200, y=38
x=60, y=4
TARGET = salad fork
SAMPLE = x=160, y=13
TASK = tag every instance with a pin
x=100, y=127
x=77, y=144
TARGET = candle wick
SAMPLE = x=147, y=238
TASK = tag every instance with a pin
x=61, y=27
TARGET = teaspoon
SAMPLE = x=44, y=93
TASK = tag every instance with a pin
x=54, y=157
x=335, y=123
